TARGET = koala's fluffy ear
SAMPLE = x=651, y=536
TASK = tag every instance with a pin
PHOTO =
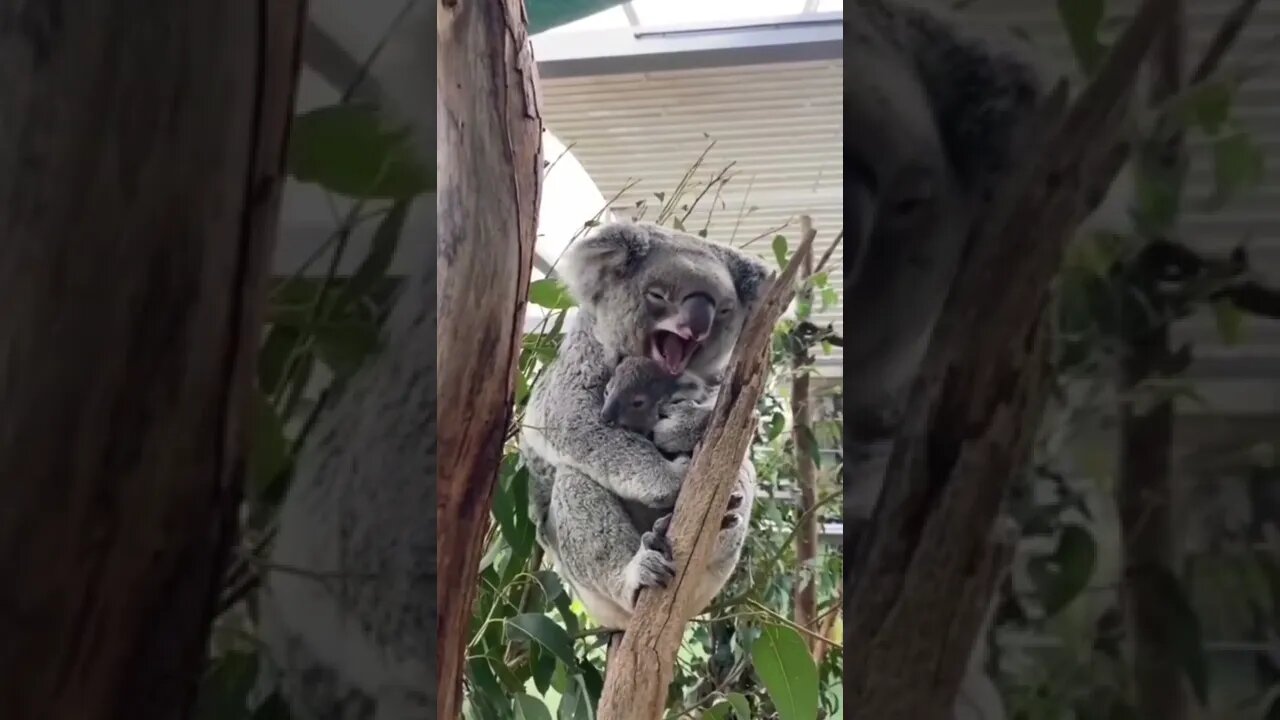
x=750, y=274
x=983, y=90
x=611, y=253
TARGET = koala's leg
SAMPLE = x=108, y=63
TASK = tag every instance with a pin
x=600, y=552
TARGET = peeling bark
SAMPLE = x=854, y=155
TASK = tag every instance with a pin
x=489, y=146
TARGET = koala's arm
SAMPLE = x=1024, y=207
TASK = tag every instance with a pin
x=564, y=426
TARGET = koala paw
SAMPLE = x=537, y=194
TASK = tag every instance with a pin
x=730, y=521
x=652, y=565
x=680, y=464
x=735, y=500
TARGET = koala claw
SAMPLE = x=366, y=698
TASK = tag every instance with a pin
x=735, y=500
x=656, y=539
x=651, y=567
x=730, y=521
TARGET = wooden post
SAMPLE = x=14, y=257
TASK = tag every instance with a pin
x=140, y=170
x=489, y=146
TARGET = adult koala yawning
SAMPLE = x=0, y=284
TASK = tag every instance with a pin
x=598, y=490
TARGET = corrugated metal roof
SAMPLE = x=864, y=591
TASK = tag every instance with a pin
x=781, y=124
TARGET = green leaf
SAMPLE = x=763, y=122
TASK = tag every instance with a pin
x=543, y=665
x=780, y=250
x=550, y=294
x=1208, y=105
x=776, y=425
x=829, y=298
x=268, y=448
x=529, y=707
x=740, y=705
x=785, y=667
x=1229, y=320
x=1238, y=164
x=719, y=711
x=382, y=249
x=351, y=150
x=490, y=699
x=1061, y=576
x=344, y=345
x=1082, y=19
x=542, y=630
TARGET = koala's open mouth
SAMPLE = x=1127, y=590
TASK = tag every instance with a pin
x=673, y=352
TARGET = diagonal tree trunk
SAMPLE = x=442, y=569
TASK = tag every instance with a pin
x=489, y=145
x=141, y=157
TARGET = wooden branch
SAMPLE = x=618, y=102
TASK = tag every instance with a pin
x=1223, y=40
x=489, y=146
x=640, y=667
x=924, y=578
x=806, y=540
x=140, y=176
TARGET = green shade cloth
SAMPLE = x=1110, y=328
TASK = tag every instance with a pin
x=547, y=14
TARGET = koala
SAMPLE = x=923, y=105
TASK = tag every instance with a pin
x=602, y=494
x=643, y=397
x=934, y=113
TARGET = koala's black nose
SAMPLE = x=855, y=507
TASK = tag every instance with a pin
x=697, y=312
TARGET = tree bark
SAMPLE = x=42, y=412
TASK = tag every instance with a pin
x=140, y=171
x=641, y=665
x=489, y=146
x=924, y=577
x=1145, y=483
x=806, y=599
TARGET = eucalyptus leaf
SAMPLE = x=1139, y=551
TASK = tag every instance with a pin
x=350, y=149
x=1238, y=165
x=780, y=252
x=1063, y=575
x=344, y=345
x=382, y=250
x=529, y=707
x=550, y=294
x=542, y=630
x=785, y=667
x=1082, y=19
x=268, y=447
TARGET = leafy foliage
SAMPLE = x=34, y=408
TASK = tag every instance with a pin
x=1120, y=289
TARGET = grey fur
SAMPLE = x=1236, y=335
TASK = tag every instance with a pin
x=598, y=489
x=641, y=394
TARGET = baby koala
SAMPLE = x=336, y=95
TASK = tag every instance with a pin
x=640, y=390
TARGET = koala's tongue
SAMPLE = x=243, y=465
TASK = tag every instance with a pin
x=674, y=352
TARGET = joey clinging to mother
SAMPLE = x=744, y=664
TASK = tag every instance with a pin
x=932, y=114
